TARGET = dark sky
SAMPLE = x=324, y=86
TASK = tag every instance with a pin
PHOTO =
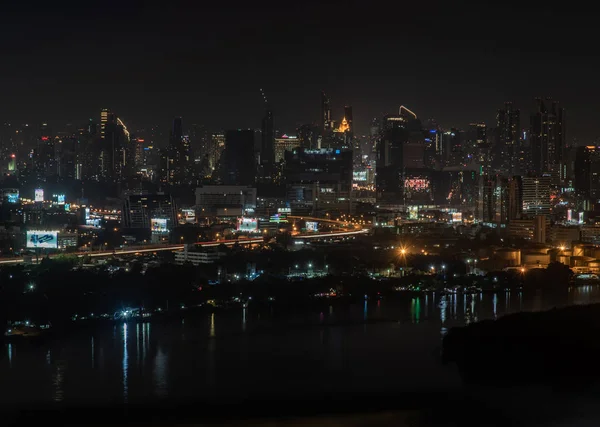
x=63, y=62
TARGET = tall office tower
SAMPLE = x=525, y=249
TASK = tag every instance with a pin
x=536, y=195
x=547, y=138
x=447, y=146
x=238, y=165
x=307, y=136
x=495, y=200
x=66, y=155
x=217, y=146
x=45, y=153
x=104, y=118
x=200, y=140
x=114, y=148
x=587, y=176
x=326, y=124
x=509, y=133
x=390, y=160
x=515, y=198
x=477, y=133
x=178, y=154
x=267, y=154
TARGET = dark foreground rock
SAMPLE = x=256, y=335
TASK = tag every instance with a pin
x=560, y=346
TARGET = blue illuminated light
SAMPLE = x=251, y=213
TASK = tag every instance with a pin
x=337, y=151
x=432, y=131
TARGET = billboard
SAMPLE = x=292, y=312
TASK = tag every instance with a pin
x=247, y=225
x=312, y=226
x=11, y=195
x=159, y=225
x=359, y=176
x=39, y=195
x=278, y=218
x=42, y=239
x=59, y=198
x=189, y=215
x=457, y=217
x=284, y=210
x=416, y=184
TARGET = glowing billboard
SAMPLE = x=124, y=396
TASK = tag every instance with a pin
x=457, y=217
x=278, y=218
x=416, y=184
x=159, y=225
x=11, y=195
x=39, y=195
x=42, y=239
x=312, y=226
x=59, y=198
x=189, y=215
x=359, y=176
x=249, y=225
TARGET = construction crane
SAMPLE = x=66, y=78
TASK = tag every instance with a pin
x=262, y=92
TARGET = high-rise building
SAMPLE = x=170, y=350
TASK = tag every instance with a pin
x=217, y=146
x=266, y=147
x=307, y=134
x=114, y=148
x=104, y=116
x=509, y=129
x=536, y=195
x=401, y=147
x=318, y=178
x=587, y=175
x=547, y=138
x=515, y=198
x=238, y=167
x=326, y=124
x=177, y=159
x=495, y=200
x=285, y=143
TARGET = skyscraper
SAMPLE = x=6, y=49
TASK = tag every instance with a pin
x=547, y=138
x=178, y=155
x=536, y=195
x=325, y=114
x=114, y=146
x=390, y=160
x=509, y=129
x=587, y=175
x=267, y=156
x=238, y=167
x=104, y=114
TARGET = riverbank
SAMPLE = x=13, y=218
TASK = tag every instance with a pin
x=556, y=347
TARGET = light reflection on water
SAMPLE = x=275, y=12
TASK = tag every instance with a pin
x=251, y=347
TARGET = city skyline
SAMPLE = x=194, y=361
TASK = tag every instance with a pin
x=208, y=65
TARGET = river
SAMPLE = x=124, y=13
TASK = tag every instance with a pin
x=379, y=345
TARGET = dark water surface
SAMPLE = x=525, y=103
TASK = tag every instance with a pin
x=376, y=346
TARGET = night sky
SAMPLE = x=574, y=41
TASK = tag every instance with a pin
x=63, y=62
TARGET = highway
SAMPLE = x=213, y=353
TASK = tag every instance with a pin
x=158, y=248
x=142, y=249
